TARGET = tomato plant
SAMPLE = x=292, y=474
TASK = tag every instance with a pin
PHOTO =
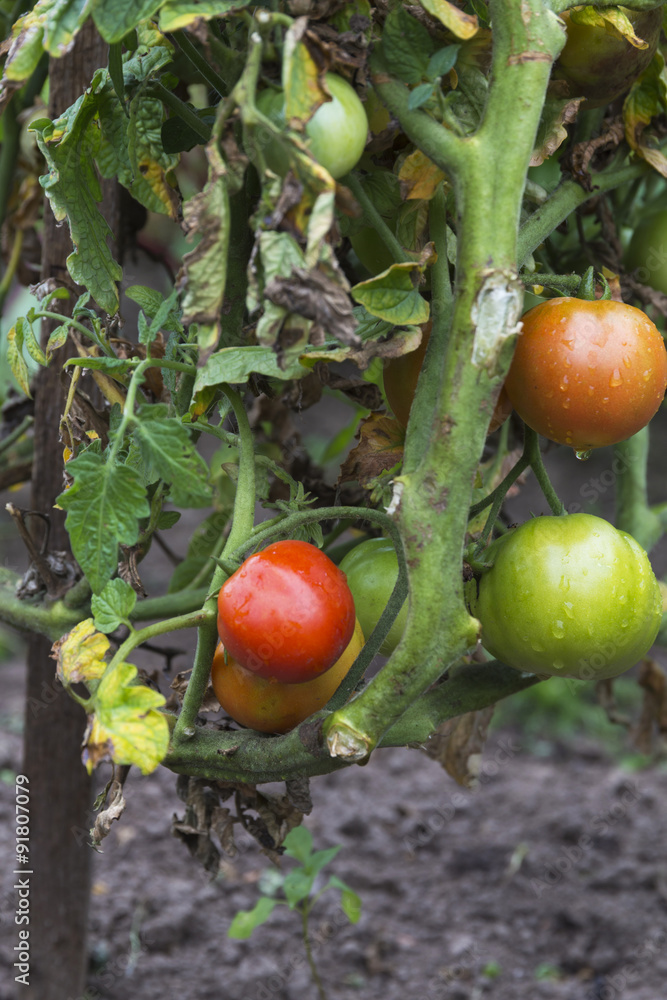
x=400, y=378
x=270, y=706
x=587, y=374
x=287, y=613
x=568, y=596
x=371, y=568
x=598, y=62
x=201, y=405
x=336, y=132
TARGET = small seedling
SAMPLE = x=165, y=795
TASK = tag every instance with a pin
x=297, y=887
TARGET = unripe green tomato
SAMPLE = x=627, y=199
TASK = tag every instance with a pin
x=647, y=252
x=568, y=596
x=599, y=65
x=371, y=569
x=336, y=133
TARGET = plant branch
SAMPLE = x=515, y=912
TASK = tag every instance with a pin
x=373, y=219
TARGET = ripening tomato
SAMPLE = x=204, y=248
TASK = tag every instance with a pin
x=587, y=374
x=336, y=134
x=272, y=707
x=371, y=568
x=287, y=612
x=598, y=64
x=568, y=596
x=400, y=377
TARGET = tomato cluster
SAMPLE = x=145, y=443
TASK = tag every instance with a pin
x=591, y=611
x=288, y=632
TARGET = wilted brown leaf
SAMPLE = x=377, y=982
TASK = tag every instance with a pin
x=457, y=745
x=380, y=448
x=315, y=296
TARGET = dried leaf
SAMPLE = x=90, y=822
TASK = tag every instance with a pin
x=457, y=745
x=419, y=177
x=654, y=708
x=316, y=297
x=114, y=811
x=380, y=448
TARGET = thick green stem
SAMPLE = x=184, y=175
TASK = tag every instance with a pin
x=430, y=378
x=487, y=169
x=243, y=755
x=633, y=513
x=532, y=450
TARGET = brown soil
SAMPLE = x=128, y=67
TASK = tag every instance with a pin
x=549, y=881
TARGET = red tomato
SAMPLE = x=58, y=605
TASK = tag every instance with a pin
x=400, y=384
x=287, y=613
x=272, y=707
x=587, y=374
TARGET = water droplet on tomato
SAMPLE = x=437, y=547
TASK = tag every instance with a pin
x=558, y=664
x=558, y=630
x=566, y=404
x=569, y=609
x=616, y=379
x=537, y=647
x=584, y=454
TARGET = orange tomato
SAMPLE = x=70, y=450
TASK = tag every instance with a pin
x=271, y=706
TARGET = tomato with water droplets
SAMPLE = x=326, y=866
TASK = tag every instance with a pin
x=287, y=612
x=568, y=596
x=587, y=374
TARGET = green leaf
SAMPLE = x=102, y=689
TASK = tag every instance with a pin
x=69, y=146
x=407, y=46
x=147, y=336
x=349, y=900
x=236, y=364
x=50, y=26
x=104, y=506
x=56, y=340
x=420, y=95
x=299, y=844
x=319, y=859
x=114, y=18
x=178, y=136
x=113, y=606
x=176, y=14
x=392, y=296
x=245, y=921
x=151, y=302
x=297, y=886
x=442, y=61
x=126, y=726
x=169, y=454
x=167, y=519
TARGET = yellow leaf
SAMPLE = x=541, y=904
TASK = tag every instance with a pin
x=80, y=655
x=460, y=24
x=126, y=728
x=420, y=178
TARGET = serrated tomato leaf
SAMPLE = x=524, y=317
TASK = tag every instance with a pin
x=80, y=655
x=126, y=727
x=169, y=454
x=104, y=506
x=113, y=606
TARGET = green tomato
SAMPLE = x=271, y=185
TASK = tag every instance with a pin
x=601, y=66
x=336, y=133
x=372, y=569
x=568, y=596
x=647, y=252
